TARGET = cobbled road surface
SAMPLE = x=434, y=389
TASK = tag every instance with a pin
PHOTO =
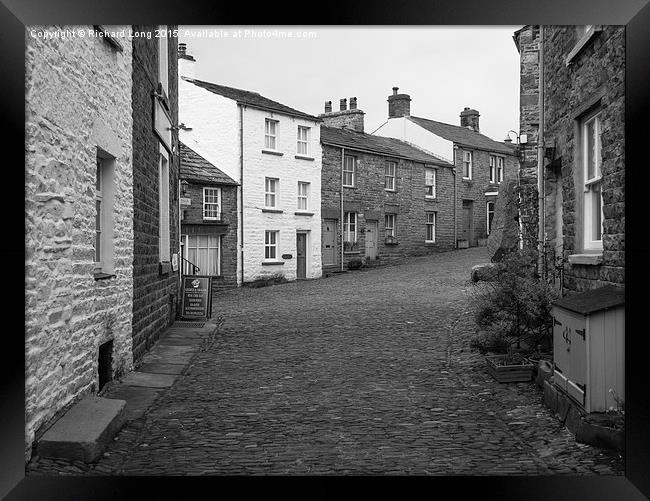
x=367, y=372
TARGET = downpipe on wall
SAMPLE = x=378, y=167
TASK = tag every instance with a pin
x=541, y=196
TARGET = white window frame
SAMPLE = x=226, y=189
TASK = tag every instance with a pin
x=591, y=184
x=493, y=168
x=163, y=206
x=434, y=177
x=303, y=195
x=271, y=243
x=488, y=227
x=207, y=204
x=271, y=137
x=99, y=212
x=163, y=61
x=467, y=164
x=390, y=229
x=188, y=247
x=501, y=162
x=271, y=182
x=390, y=179
x=352, y=173
x=432, y=225
x=302, y=144
x=348, y=222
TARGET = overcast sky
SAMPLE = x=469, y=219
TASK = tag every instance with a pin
x=443, y=68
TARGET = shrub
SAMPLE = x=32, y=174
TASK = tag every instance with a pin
x=355, y=263
x=514, y=309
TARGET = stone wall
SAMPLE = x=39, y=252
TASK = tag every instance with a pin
x=595, y=78
x=78, y=99
x=227, y=227
x=475, y=188
x=155, y=289
x=371, y=201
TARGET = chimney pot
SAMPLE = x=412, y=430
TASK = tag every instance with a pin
x=353, y=103
x=328, y=106
x=344, y=104
x=395, y=89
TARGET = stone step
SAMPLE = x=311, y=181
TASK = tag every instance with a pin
x=84, y=431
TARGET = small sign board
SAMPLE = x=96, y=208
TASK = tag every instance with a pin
x=175, y=262
x=186, y=201
x=197, y=297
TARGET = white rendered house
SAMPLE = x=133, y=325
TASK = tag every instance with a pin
x=274, y=153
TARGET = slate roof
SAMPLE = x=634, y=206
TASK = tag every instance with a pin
x=377, y=144
x=249, y=98
x=196, y=168
x=462, y=136
x=592, y=300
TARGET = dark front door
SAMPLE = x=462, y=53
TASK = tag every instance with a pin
x=467, y=231
x=301, y=255
x=329, y=242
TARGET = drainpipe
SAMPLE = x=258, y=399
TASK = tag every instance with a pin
x=342, y=227
x=541, y=236
x=454, y=150
x=241, y=189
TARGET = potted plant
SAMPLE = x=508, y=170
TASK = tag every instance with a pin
x=513, y=311
x=390, y=240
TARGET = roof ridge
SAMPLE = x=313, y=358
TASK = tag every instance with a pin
x=225, y=86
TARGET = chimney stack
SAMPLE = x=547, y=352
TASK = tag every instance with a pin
x=469, y=118
x=185, y=62
x=399, y=105
x=351, y=119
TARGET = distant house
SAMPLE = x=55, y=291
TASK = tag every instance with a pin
x=78, y=221
x=208, y=220
x=482, y=164
x=583, y=136
x=273, y=152
x=385, y=198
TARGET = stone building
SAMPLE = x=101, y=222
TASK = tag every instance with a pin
x=482, y=164
x=273, y=152
x=156, y=168
x=208, y=221
x=79, y=224
x=394, y=199
x=583, y=172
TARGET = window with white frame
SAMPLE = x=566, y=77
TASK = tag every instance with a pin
x=270, y=192
x=212, y=203
x=493, y=169
x=349, y=171
x=500, y=161
x=467, y=165
x=593, y=203
x=99, y=199
x=270, y=134
x=390, y=176
x=303, y=140
x=104, y=208
x=390, y=225
x=163, y=61
x=490, y=216
x=303, y=195
x=205, y=252
x=430, y=227
x=350, y=227
x=271, y=244
x=163, y=206
x=430, y=183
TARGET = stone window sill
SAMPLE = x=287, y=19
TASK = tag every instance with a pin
x=272, y=152
x=305, y=157
x=586, y=259
x=391, y=243
x=581, y=44
x=298, y=213
x=272, y=263
x=273, y=211
x=389, y=190
x=429, y=243
x=430, y=198
x=100, y=275
x=351, y=252
x=350, y=187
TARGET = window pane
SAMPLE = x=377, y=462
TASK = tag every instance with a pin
x=596, y=212
x=591, y=149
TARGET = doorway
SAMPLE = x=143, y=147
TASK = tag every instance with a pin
x=467, y=229
x=329, y=242
x=301, y=255
x=371, y=239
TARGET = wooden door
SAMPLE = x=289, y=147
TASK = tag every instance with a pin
x=301, y=255
x=371, y=239
x=467, y=230
x=329, y=242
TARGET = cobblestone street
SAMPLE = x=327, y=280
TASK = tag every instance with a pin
x=366, y=372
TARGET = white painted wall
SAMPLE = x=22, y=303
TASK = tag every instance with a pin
x=289, y=170
x=404, y=129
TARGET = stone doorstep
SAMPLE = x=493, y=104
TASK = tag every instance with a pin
x=84, y=431
x=573, y=417
x=148, y=380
